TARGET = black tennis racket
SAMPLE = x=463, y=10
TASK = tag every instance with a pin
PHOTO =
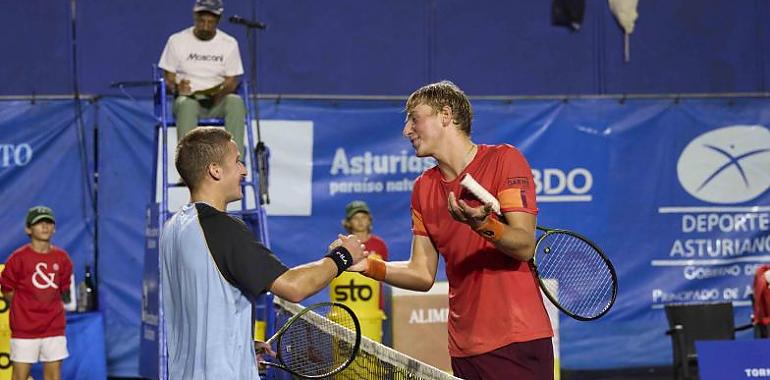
x=573, y=272
x=319, y=341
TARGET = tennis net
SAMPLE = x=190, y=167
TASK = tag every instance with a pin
x=374, y=361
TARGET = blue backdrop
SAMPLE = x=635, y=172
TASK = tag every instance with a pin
x=674, y=190
x=489, y=47
x=46, y=158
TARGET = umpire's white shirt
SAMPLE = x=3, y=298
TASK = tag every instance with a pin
x=204, y=63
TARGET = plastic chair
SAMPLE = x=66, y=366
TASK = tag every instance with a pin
x=691, y=322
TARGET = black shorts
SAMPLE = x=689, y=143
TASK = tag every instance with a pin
x=531, y=360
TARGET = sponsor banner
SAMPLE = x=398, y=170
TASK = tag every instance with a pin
x=738, y=359
x=676, y=193
x=6, y=366
x=46, y=159
x=417, y=315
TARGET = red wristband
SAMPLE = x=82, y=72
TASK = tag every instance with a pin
x=376, y=269
x=491, y=229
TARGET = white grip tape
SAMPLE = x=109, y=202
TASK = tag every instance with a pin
x=481, y=193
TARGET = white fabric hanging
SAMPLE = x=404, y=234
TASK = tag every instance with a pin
x=625, y=12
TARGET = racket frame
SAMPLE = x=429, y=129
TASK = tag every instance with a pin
x=278, y=335
x=552, y=298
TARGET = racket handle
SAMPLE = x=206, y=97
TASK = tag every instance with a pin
x=480, y=192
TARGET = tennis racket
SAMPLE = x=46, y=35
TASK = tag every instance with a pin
x=573, y=272
x=318, y=342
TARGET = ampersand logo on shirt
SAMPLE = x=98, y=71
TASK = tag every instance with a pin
x=43, y=280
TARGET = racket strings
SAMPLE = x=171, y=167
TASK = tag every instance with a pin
x=314, y=346
x=583, y=289
x=583, y=280
x=596, y=270
x=589, y=277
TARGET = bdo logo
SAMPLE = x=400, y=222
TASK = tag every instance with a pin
x=727, y=165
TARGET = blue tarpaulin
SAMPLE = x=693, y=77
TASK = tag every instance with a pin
x=675, y=191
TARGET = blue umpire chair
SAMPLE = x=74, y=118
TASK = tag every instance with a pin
x=165, y=119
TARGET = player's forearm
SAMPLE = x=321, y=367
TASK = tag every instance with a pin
x=303, y=281
x=403, y=275
x=517, y=243
x=515, y=237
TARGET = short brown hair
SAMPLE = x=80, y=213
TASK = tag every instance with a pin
x=444, y=93
x=197, y=150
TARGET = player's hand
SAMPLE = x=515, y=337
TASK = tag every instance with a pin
x=261, y=349
x=335, y=244
x=363, y=265
x=184, y=87
x=354, y=246
x=463, y=213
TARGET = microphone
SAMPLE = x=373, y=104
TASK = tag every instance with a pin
x=235, y=19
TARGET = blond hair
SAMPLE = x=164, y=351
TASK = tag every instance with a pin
x=440, y=94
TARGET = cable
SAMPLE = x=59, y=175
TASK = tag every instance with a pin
x=90, y=195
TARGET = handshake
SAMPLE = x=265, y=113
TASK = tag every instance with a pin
x=348, y=253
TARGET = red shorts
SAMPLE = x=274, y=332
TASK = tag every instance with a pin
x=531, y=360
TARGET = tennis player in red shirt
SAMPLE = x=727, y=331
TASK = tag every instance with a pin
x=498, y=325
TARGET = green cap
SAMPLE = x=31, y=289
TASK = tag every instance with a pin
x=355, y=207
x=38, y=213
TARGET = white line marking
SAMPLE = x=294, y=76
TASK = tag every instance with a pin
x=564, y=198
x=683, y=210
x=683, y=262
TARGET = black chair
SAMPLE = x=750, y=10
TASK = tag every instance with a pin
x=691, y=322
